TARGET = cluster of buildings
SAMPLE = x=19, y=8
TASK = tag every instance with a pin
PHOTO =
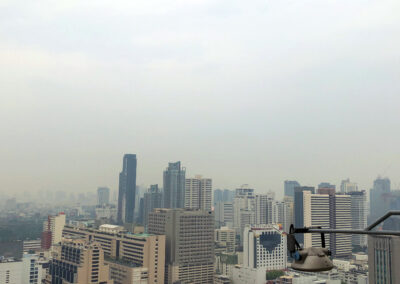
x=187, y=233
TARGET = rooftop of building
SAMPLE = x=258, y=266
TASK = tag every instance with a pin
x=121, y=234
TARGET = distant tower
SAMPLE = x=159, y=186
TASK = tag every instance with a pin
x=103, y=196
x=290, y=185
x=198, y=193
x=346, y=186
x=152, y=199
x=299, y=208
x=127, y=190
x=359, y=216
x=174, y=186
x=379, y=198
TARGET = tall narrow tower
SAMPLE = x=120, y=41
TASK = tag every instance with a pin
x=174, y=186
x=127, y=189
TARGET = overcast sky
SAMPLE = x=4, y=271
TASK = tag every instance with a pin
x=244, y=92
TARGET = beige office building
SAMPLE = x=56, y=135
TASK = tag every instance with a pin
x=142, y=250
x=225, y=237
x=127, y=273
x=189, y=243
x=78, y=261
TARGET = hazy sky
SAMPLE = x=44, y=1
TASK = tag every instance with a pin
x=243, y=92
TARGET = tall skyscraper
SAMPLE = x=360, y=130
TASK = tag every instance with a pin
x=379, y=198
x=299, y=208
x=174, y=186
x=103, y=196
x=290, y=185
x=127, y=190
x=346, y=186
x=359, y=216
x=152, y=199
x=189, y=234
x=198, y=193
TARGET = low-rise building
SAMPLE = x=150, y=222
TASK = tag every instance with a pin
x=142, y=250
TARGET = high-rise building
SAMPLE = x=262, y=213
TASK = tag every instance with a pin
x=359, y=216
x=198, y=193
x=127, y=189
x=225, y=195
x=103, y=196
x=244, y=209
x=346, y=186
x=52, y=230
x=289, y=186
x=189, y=243
x=226, y=237
x=140, y=250
x=265, y=246
x=328, y=211
x=224, y=214
x=152, y=199
x=299, y=208
x=316, y=214
x=264, y=209
x=78, y=261
x=174, y=186
x=379, y=198
x=289, y=201
x=383, y=259
x=341, y=218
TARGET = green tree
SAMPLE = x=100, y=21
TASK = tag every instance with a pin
x=273, y=274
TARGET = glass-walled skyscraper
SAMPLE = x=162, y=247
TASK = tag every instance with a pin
x=127, y=189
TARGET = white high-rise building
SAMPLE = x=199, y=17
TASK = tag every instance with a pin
x=264, y=246
x=346, y=186
x=224, y=214
x=198, y=193
x=54, y=225
x=341, y=243
x=328, y=211
x=244, y=205
x=316, y=213
x=359, y=216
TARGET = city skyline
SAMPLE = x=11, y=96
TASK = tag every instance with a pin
x=273, y=91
